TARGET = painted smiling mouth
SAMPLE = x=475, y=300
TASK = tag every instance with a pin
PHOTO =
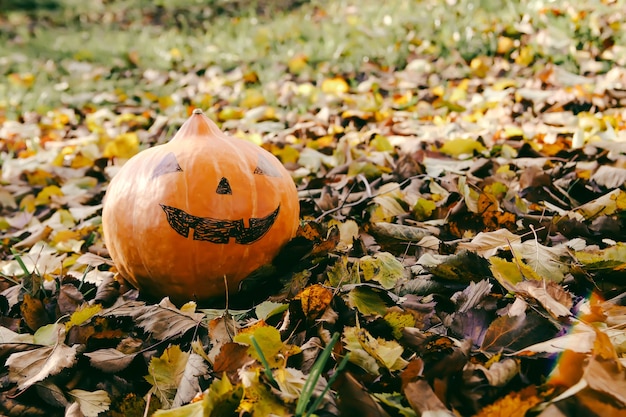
x=216, y=230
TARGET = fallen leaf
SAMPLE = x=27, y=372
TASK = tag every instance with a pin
x=165, y=374
x=91, y=403
x=110, y=360
x=27, y=368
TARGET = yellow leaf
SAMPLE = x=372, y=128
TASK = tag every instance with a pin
x=335, y=85
x=348, y=231
x=124, y=146
x=503, y=84
x=513, y=132
x=165, y=102
x=371, y=353
x=230, y=113
x=526, y=56
x=175, y=54
x=424, y=208
x=22, y=80
x=367, y=301
x=381, y=144
x=398, y=320
x=268, y=339
x=383, y=268
x=438, y=91
x=39, y=177
x=252, y=98
x=166, y=372
x=461, y=146
x=511, y=273
x=460, y=92
x=46, y=195
x=315, y=299
x=287, y=154
x=480, y=66
x=82, y=315
x=514, y=404
x=505, y=45
x=259, y=401
x=28, y=203
x=297, y=63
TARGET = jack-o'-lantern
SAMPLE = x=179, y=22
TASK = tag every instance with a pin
x=180, y=219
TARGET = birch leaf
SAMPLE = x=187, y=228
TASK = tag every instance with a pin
x=165, y=374
x=91, y=403
x=27, y=368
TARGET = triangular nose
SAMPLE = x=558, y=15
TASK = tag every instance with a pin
x=224, y=187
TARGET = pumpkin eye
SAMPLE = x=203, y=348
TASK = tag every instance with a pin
x=167, y=165
x=265, y=167
x=224, y=187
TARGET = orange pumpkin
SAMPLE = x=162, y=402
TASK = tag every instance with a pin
x=180, y=217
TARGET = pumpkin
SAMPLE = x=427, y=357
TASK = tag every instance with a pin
x=183, y=218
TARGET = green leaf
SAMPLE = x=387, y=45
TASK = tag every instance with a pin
x=49, y=334
x=220, y=399
x=371, y=353
x=398, y=320
x=268, y=340
x=383, y=268
x=424, y=208
x=394, y=400
x=269, y=308
x=166, y=372
x=613, y=257
x=340, y=274
x=509, y=273
x=367, y=300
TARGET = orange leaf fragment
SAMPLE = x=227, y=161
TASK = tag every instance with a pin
x=315, y=299
x=515, y=404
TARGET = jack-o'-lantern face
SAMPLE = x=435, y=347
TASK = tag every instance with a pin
x=212, y=229
x=181, y=218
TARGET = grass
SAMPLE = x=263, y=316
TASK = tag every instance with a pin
x=73, y=50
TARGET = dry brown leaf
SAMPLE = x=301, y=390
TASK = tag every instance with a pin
x=27, y=368
x=33, y=312
x=423, y=399
x=354, y=399
x=110, y=360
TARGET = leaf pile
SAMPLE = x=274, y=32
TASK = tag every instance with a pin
x=461, y=249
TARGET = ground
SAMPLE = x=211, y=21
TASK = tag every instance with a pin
x=460, y=172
